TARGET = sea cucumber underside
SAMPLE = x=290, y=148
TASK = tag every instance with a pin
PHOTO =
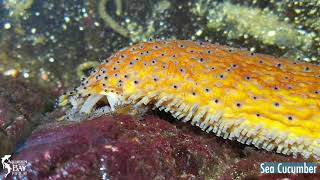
x=271, y=103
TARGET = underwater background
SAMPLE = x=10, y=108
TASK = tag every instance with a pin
x=46, y=46
x=54, y=42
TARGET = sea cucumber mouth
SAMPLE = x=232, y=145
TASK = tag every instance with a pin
x=93, y=106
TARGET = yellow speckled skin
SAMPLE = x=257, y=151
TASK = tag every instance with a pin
x=256, y=99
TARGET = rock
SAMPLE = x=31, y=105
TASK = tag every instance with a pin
x=21, y=105
x=125, y=147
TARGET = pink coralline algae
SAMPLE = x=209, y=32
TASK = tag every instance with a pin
x=21, y=105
x=126, y=147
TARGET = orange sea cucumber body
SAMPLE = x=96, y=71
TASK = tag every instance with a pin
x=256, y=99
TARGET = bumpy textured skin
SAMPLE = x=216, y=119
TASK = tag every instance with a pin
x=256, y=99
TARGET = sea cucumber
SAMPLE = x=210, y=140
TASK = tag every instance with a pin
x=271, y=103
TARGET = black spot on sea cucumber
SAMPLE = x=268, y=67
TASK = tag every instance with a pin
x=306, y=69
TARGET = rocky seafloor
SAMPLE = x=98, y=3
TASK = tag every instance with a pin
x=154, y=146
